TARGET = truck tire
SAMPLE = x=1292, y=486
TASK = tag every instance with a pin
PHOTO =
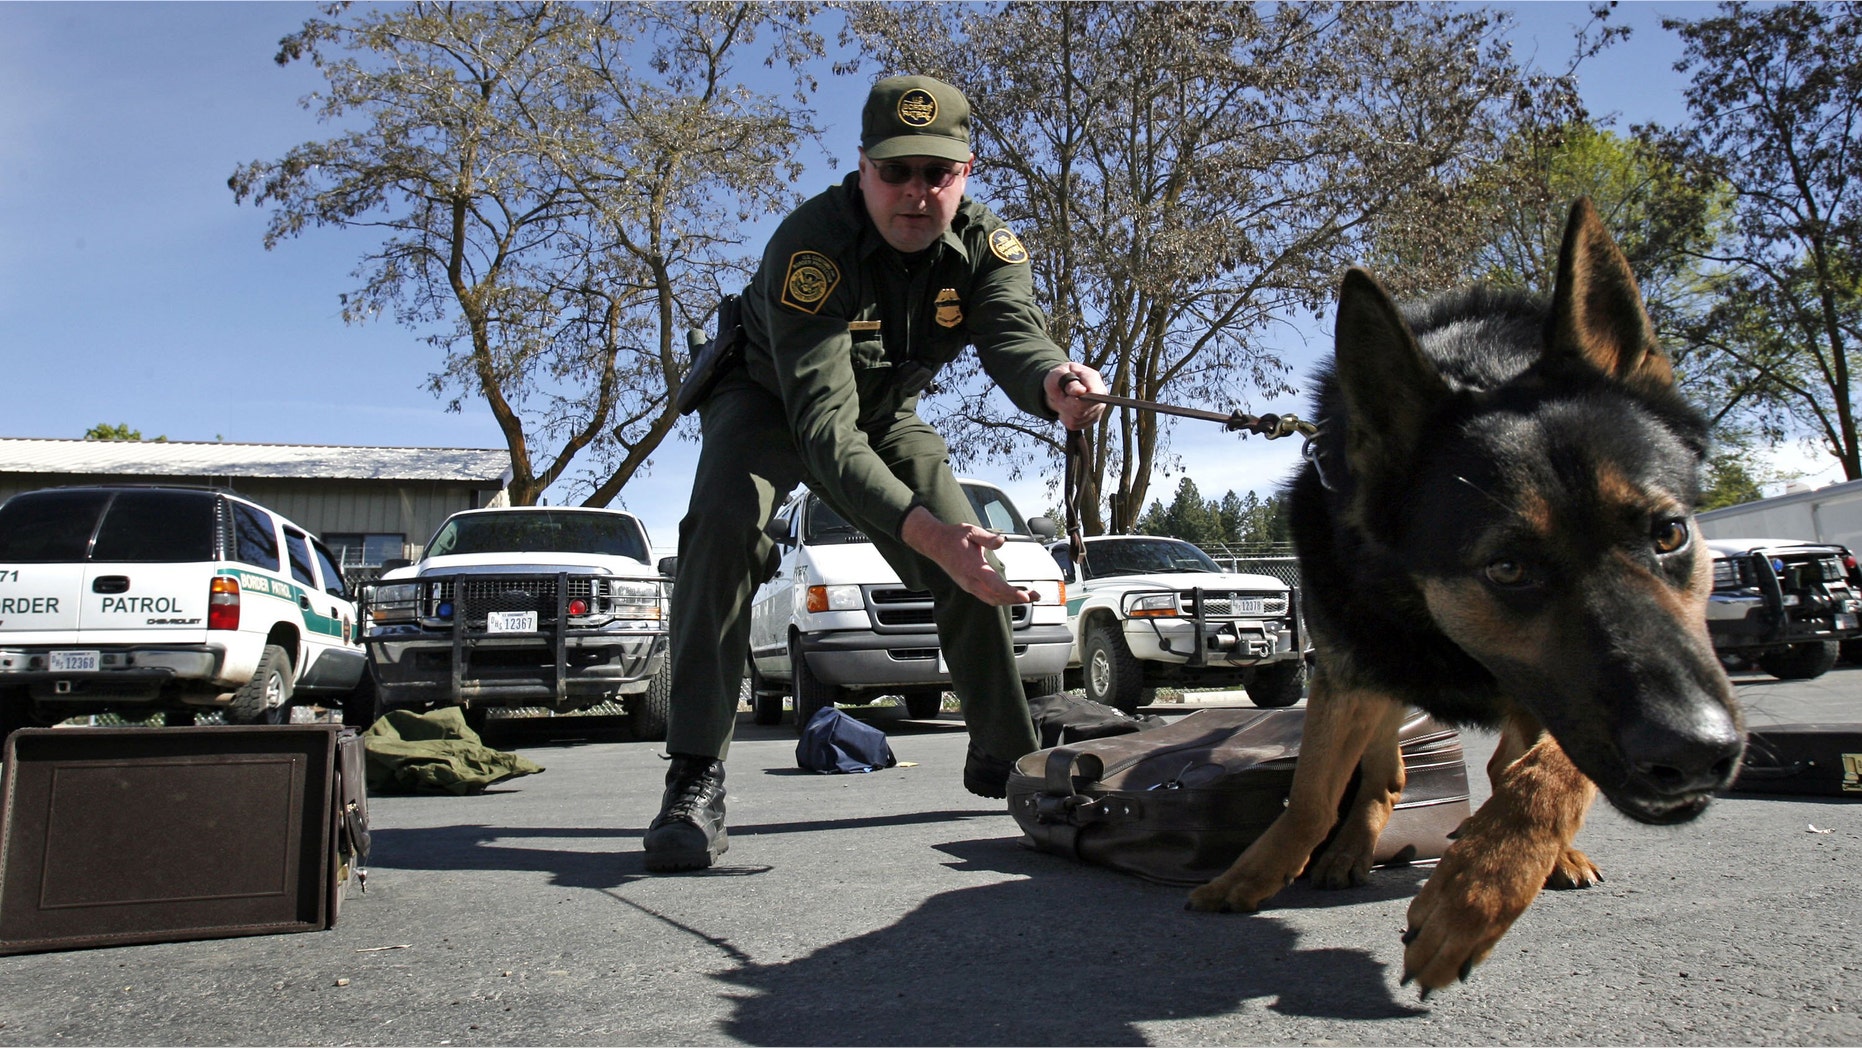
x=1800, y=661
x=1110, y=671
x=1277, y=684
x=811, y=693
x=765, y=699
x=647, y=711
x=1052, y=684
x=266, y=698
x=924, y=703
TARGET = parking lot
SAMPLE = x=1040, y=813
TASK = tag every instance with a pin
x=895, y=908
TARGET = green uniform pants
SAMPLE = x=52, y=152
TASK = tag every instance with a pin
x=747, y=466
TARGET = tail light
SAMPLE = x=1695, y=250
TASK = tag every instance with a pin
x=223, y=603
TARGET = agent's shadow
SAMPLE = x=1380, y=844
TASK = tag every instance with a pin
x=1058, y=960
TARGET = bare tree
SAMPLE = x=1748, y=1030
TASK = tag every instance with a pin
x=1189, y=175
x=556, y=190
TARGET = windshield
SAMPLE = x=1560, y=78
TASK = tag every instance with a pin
x=824, y=525
x=1144, y=556
x=540, y=531
x=992, y=508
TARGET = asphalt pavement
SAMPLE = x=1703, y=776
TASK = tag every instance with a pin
x=896, y=909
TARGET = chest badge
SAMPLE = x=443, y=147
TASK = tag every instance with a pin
x=1007, y=247
x=949, y=308
x=811, y=276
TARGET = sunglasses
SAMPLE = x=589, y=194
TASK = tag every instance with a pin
x=935, y=176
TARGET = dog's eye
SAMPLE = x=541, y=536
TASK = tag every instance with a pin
x=1507, y=573
x=1669, y=535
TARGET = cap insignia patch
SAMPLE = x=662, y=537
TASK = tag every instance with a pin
x=1007, y=247
x=917, y=108
x=811, y=276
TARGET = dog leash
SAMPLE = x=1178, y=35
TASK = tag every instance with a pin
x=1271, y=426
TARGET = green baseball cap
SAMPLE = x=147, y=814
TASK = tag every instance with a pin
x=915, y=116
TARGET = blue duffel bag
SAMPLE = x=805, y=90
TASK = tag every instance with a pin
x=834, y=743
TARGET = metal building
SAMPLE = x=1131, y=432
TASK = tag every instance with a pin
x=367, y=504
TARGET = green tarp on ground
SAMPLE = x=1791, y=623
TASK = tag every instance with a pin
x=435, y=752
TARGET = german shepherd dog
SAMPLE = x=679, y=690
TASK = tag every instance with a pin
x=1496, y=525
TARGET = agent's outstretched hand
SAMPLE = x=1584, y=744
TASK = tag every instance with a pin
x=958, y=549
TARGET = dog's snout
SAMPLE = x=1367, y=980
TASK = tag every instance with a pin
x=1674, y=760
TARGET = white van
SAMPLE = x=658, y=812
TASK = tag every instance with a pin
x=835, y=625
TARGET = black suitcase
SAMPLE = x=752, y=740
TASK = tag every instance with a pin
x=1178, y=804
x=1819, y=759
x=134, y=835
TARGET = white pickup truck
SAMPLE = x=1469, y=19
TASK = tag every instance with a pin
x=1147, y=611
x=554, y=607
x=835, y=625
x=142, y=599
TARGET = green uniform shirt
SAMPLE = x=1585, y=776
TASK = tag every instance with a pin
x=835, y=311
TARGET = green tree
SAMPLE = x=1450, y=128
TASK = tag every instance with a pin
x=1188, y=517
x=1187, y=175
x=555, y=194
x=120, y=431
x=1729, y=482
x=1775, y=96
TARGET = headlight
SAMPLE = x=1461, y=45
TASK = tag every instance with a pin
x=1153, y=606
x=835, y=598
x=634, y=599
x=394, y=602
x=1050, y=591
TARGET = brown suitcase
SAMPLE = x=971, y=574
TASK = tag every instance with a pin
x=135, y=835
x=1178, y=804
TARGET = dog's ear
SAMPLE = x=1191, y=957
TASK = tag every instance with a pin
x=1390, y=389
x=1597, y=313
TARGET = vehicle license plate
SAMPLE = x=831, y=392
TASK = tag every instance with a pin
x=1845, y=621
x=510, y=622
x=72, y=662
x=1248, y=606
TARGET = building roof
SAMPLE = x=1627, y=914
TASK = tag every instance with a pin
x=182, y=458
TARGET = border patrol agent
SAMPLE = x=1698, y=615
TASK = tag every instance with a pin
x=863, y=293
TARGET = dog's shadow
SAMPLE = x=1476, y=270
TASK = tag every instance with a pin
x=1071, y=959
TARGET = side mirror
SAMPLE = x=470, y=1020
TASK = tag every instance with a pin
x=778, y=531
x=669, y=567
x=1044, y=528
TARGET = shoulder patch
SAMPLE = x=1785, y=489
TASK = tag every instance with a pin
x=811, y=276
x=1007, y=247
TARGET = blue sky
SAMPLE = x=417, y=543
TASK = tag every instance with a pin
x=133, y=290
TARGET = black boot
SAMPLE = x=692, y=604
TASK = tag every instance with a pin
x=689, y=832
x=986, y=776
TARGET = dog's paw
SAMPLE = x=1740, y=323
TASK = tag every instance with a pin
x=1237, y=891
x=1342, y=866
x=1474, y=896
x=1574, y=870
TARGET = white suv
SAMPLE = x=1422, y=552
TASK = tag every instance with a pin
x=834, y=623
x=136, y=599
x=1147, y=610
